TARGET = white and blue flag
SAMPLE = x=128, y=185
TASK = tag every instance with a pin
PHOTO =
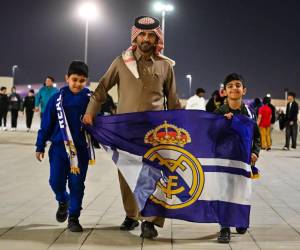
x=183, y=164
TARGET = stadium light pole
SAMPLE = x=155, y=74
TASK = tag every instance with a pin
x=163, y=8
x=87, y=11
x=189, y=77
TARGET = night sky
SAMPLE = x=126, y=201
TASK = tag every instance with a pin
x=259, y=39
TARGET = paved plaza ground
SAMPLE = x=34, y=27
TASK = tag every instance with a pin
x=27, y=207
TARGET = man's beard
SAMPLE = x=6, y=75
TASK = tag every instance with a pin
x=146, y=47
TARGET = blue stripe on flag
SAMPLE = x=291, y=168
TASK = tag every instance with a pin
x=225, y=213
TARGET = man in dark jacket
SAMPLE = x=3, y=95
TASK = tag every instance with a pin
x=3, y=107
x=29, y=107
x=291, y=129
x=15, y=105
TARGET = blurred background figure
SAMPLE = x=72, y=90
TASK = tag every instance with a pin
x=44, y=95
x=3, y=107
x=109, y=107
x=215, y=101
x=197, y=101
x=255, y=105
x=14, y=106
x=291, y=129
x=28, y=108
x=264, y=124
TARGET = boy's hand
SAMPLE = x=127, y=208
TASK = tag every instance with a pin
x=228, y=115
x=87, y=119
x=39, y=156
x=253, y=159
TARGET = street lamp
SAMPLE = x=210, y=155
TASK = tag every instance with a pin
x=190, y=83
x=87, y=11
x=14, y=68
x=163, y=8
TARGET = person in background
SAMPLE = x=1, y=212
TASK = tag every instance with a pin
x=291, y=129
x=28, y=107
x=15, y=106
x=197, y=101
x=44, y=94
x=215, y=102
x=109, y=107
x=264, y=123
x=3, y=107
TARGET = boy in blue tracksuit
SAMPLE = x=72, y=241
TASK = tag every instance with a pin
x=68, y=153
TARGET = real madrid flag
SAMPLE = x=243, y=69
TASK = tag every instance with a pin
x=183, y=164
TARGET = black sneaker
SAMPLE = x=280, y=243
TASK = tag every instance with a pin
x=224, y=235
x=129, y=224
x=241, y=230
x=148, y=230
x=74, y=225
x=62, y=211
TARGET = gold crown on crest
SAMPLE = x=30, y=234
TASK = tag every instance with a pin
x=167, y=134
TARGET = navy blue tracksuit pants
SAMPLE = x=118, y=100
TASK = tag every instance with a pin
x=60, y=175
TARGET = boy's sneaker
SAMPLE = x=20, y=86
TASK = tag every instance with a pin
x=129, y=224
x=224, y=235
x=241, y=230
x=74, y=225
x=285, y=148
x=148, y=230
x=62, y=211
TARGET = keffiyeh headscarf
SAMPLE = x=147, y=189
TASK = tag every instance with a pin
x=148, y=24
x=144, y=24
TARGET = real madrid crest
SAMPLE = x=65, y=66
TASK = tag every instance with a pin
x=182, y=179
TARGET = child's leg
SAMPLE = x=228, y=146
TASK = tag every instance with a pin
x=59, y=168
x=76, y=185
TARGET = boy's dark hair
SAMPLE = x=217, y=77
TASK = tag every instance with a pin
x=31, y=91
x=51, y=78
x=292, y=94
x=3, y=88
x=232, y=77
x=78, y=68
x=199, y=91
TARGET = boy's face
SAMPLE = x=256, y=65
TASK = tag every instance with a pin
x=76, y=82
x=235, y=90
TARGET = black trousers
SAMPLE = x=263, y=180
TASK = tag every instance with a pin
x=291, y=131
x=3, y=115
x=14, y=118
x=29, y=117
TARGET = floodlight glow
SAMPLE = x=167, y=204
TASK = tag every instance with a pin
x=189, y=76
x=88, y=11
x=29, y=86
x=163, y=7
x=54, y=85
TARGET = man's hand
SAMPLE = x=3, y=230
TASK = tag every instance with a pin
x=253, y=159
x=87, y=119
x=39, y=156
x=228, y=115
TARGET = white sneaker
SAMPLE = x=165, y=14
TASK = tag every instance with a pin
x=5, y=128
x=292, y=148
x=285, y=148
x=28, y=130
x=13, y=129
